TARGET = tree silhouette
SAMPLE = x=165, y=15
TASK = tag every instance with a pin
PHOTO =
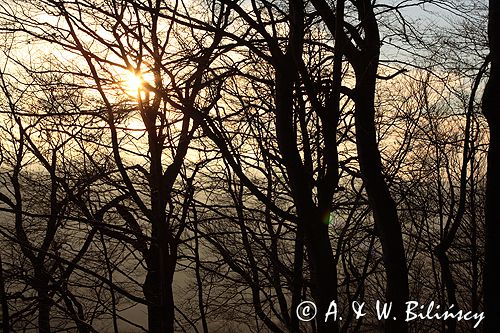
x=490, y=110
x=208, y=165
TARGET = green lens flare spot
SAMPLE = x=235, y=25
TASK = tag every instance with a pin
x=328, y=218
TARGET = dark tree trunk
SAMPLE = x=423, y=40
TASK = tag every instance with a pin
x=159, y=294
x=44, y=305
x=310, y=217
x=323, y=269
x=161, y=258
x=364, y=57
x=449, y=283
x=160, y=262
x=491, y=105
x=321, y=259
x=297, y=278
x=383, y=206
x=3, y=299
x=40, y=284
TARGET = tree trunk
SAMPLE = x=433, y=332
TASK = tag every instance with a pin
x=321, y=259
x=491, y=110
x=158, y=289
x=297, y=278
x=323, y=269
x=40, y=284
x=5, y=305
x=384, y=208
x=161, y=258
x=450, y=285
x=43, y=311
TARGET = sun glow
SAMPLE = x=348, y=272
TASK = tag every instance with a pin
x=133, y=83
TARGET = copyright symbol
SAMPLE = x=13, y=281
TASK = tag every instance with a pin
x=306, y=311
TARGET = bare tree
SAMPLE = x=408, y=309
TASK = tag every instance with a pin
x=267, y=148
x=490, y=110
x=143, y=42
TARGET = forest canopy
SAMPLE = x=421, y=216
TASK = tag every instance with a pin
x=211, y=165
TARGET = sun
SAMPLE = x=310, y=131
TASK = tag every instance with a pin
x=136, y=83
x=133, y=83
